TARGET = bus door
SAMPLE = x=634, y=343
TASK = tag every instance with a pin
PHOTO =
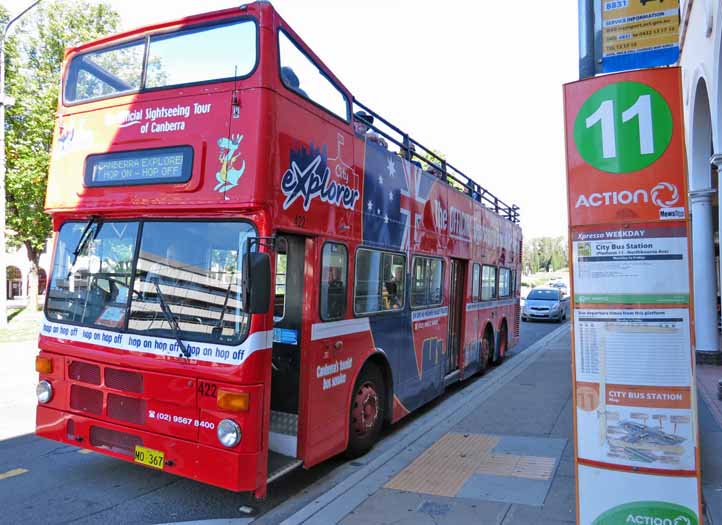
x=286, y=353
x=456, y=308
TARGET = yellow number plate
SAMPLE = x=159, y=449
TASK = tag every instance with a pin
x=150, y=457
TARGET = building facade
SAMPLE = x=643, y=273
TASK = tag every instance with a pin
x=701, y=43
x=18, y=272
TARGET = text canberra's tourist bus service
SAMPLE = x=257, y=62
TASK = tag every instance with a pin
x=246, y=277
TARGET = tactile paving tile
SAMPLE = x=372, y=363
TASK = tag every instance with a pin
x=530, y=467
x=445, y=466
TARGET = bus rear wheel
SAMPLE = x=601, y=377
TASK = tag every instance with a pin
x=485, y=350
x=499, y=356
x=366, y=416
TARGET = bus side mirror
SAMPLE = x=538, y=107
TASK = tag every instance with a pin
x=258, y=283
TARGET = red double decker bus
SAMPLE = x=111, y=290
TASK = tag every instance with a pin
x=252, y=271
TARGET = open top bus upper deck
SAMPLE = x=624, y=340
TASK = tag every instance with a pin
x=204, y=115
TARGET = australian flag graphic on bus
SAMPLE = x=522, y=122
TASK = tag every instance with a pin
x=393, y=187
x=387, y=200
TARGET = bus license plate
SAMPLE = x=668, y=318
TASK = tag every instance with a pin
x=150, y=457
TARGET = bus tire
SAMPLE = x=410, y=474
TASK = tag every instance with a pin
x=487, y=349
x=503, y=345
x=484, y=352
x=366, y=414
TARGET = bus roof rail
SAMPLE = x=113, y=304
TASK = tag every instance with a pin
x=412, y=151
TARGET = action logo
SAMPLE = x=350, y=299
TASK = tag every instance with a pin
x=663, y=195
x=667, y=189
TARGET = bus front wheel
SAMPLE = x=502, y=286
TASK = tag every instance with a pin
x=366, y=416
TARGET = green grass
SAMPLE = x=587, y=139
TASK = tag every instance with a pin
x=23, y=325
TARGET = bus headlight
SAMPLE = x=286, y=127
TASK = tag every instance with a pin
x=229, y=433
x=44, y=391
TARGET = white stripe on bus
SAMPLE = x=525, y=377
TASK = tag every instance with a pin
x=339, y=328
x=214, y=352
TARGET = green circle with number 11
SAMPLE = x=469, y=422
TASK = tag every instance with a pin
x=623, y=127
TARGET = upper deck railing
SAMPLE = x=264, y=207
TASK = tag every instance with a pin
x=438, y=166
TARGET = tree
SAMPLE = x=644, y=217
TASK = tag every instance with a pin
x=545, y=253
x=33, y=60
x=433, y=162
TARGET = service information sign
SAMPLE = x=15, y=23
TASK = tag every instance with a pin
x=635, y=409
x=639, y=34
x=647, y=260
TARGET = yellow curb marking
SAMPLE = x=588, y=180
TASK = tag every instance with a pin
x=85, y=451
x=12, y=473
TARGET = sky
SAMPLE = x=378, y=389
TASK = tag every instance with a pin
x=479, y=81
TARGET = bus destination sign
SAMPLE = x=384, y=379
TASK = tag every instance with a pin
x=149, y=166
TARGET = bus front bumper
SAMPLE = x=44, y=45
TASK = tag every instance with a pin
x=215, y=466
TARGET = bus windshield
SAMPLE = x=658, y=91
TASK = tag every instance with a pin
x=198, y=54
x=114, y=280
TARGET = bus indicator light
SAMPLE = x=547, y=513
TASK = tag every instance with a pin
x=44, y=365
x=235, y=401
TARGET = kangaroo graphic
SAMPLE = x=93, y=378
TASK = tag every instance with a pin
x=228, y=176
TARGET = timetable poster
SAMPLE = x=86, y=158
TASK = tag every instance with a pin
x=633, y=395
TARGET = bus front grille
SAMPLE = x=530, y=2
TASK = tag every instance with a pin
x=119, y=442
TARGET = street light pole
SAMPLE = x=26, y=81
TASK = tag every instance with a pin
x=5, y=101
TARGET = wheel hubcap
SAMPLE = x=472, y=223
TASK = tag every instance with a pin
x=365, y=409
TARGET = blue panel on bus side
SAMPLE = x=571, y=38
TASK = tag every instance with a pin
x=392, y=333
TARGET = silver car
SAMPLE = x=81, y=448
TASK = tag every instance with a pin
x=545, y=303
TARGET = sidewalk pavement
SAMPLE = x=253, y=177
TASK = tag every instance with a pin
x=510, y=460
x=710, y=428
x=499, y=451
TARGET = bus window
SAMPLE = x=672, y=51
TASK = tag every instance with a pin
x=475, y=283
x=305, y=78
x=380, y=281
x=504, y=282
x=110, y=71
x=195, y=269
x=93, y=287
x=334, y=266
x=201, y=54
x=427, y=281
x=279, y=302
x=488, y=283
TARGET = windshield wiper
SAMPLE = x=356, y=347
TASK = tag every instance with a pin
x=172, y=321
x=218, y=328
x=85, y=238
